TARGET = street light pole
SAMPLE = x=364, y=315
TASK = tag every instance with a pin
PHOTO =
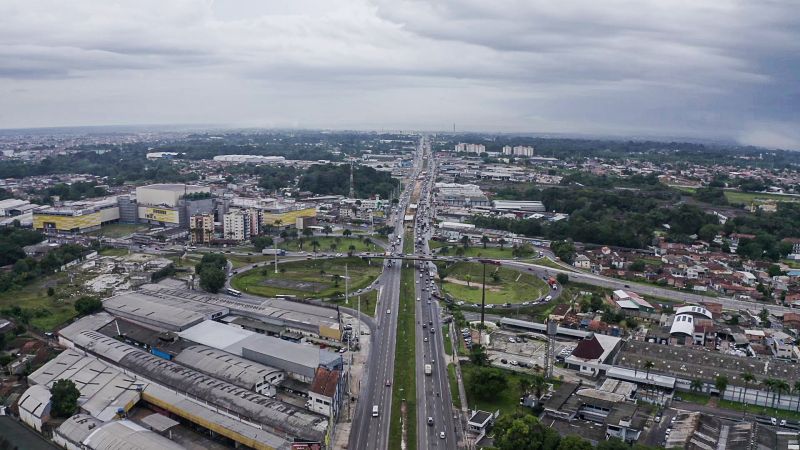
x=483, y=305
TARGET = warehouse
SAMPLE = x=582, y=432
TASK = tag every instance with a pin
x=104, y=389
x=231, y=368
x=298, y=360
x=167, y=204
x=77, y=217
x=274, y=417
x=81, y=432
x=168, y=313
x=308, y=320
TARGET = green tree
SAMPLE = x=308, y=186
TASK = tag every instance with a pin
x=780, y=387
x=308, y=232
x=327, y=230
x=573, y=442
x=748, y=378
x=524, y=432
x=468, y=278
x=347, y=232
x=502, y=243
x=212, y=279
x=262, y=242
x=696, y=385
x=562, y=278
x=465, y=241
x=88, y=305
x=478, y=355
x=484, y=240
x=721, y=383
x=613, y=444
x=637, y=266
x=51, y=292
x=351, y=249
x=315, y=245
x=538, y=384
x=775, y=271
x=64, y=398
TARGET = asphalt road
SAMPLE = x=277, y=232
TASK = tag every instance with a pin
x=369, y=432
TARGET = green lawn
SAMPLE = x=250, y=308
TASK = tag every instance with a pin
x=451, y=375
x=118, y=230
x=480, y=252
x=369, y=301
x=512, y=286
x=760, y=410
x=507, y=400
x=745, y=198
x=342, y=244
x=307, y=279
x=238, y=261
x=405, y=384
x=547, y=262
x=448, y=345
x=108, y=251
x=46, y=313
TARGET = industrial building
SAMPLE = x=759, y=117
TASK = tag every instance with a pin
x=231, y=368
x=171, y=205
x=76, y=217
x=254, y=159
x=462, y=195
x=84, y=432
x=299, y=361
x=252, y=419
x=165, y=312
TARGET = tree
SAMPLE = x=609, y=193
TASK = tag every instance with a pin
x=465, y=241
x=64, y=397
x=212, y=279
x=502, y=243
x=564, y=250
x=696, y=385
x=478, y=355
x=327, y=230
x=795, y=390
x=637, y=266
x=612, y=444
x=748, y=378
x=538, y=384
x=486, y=382
x=775, y=270
x=308, y=232
x=721, y=383
x=573, y=442
x=468, y=278
x=562, y=278
x=484, y=240
x=648, y=365
x=51, y=292
x=768, y=384
x=262, y=242
x=315, y=245
x=524, y=432
x=351, y=249
x=88, y=305
x=780, y=387
x=347, y=232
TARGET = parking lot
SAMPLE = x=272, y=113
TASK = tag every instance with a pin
x=524, y=351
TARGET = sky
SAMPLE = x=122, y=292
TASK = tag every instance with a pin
x=714, y=69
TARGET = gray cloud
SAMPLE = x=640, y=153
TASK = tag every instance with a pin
x=703, y=68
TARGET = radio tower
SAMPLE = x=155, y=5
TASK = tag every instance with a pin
x=352, y=183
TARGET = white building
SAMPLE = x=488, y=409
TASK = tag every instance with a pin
x=241, y=224
x=255, y=159
x=34, y=406
x=518, y=150
x=470, y=148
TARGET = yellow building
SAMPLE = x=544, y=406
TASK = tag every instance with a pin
x=288, y=218
x=77, y=217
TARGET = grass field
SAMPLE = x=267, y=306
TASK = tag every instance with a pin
x=308, y=279
x=47, y=313
x=405, y=384
x=342, y=244
x=448, y=345
x=507, y=400
x=451, y=375
x=512, y=286
x=113, y=252
x=745, y=198
x=238, y=261
x=118, y=230
x=369, y=301
x=488, y=252
x=703, y=399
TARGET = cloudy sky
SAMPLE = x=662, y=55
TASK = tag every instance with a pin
x=725, y=69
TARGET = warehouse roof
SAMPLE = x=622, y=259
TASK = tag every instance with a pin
x=226, y=366
x=169, y=312
x=126, y=435
x=93, y=322
x=78, y=427
x=693, y=309
x=325, y=382
x=103, y=388
x=683, y=323
x=35, y=400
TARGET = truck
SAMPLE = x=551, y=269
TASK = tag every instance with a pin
x=273, y=251
x=552, y=282
x=428, y=369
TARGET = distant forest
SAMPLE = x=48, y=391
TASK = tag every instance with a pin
x=335, y=179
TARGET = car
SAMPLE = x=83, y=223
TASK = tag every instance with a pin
x=657, y=418
x=627, y=286
x=512, y=340
x=433, y=330
x=430, y=421
x=441, y=435
x=783, y=422
x=504, y=361
x=388, y=311
x=430, y=322
x=388, y=382
x=773, y=420
x=514, y=363
x=425, y=340
x=424, y=325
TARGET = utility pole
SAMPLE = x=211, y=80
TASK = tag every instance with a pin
x=275, y=252
x=346, y=291
x=352, y=183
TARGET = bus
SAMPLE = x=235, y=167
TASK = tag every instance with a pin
x=233, y=292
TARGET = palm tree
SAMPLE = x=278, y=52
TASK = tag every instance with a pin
x=780, y=387
x=368, y=242
x=284, y=235
x=278, y=222
x=796, y=390
x=308, y=232
x=315, y=245
x=538, y=384
x=502, y=243
x=333, y=246
x=351, y=250
x=524, y=385
x=300, y=242
x=647, y=366
x=327, y=230
x=696, y=385
x=748, y=378
x=465, y=241
x=347, y=233
x=484, y=240
x=468, y=278
x=721, y=383
x=768, y=383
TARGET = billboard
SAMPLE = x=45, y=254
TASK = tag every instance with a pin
x=160, y=215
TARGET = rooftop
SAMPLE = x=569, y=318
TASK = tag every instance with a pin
x=325, y=382
x=226, y=366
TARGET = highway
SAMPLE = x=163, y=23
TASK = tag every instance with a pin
x=369, y=432
x=436, y=421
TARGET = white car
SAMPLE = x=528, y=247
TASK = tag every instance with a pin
x=388, y=311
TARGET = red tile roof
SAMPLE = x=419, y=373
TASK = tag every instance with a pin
x=325, y=382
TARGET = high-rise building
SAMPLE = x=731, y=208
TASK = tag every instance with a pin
x=201, y=228
x=470, y=148
x=241, y=224
x=518, y=150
